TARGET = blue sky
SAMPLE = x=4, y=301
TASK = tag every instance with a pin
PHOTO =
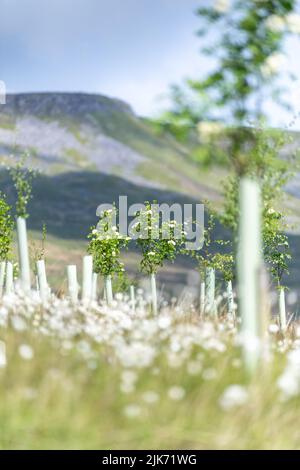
x=131, y=49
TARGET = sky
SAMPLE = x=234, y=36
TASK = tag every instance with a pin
x=129, y=49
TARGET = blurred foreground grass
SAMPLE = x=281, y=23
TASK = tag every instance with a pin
x=57, y=393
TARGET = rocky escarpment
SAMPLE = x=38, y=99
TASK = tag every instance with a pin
x=56, y=104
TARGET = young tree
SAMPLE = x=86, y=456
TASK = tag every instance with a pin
x=38, y=250
x=105, y=247
x=272, y=173
x=245, y=40
x=22, y=179
x=158, y=241
x=6, y=229
x=210, y=256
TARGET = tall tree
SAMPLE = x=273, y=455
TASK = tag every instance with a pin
x=225, y=108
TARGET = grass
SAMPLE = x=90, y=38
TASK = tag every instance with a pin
x=73, y=391
x=162, y=175
x=75, y=131
x=78, y=158
x=80, y=391
x=7, y=122
x=59, y=252
x=141, y=137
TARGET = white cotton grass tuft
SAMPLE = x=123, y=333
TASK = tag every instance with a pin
x=137, y=354
x=3, y=359
x=127, y=387
x=132, y=411
x=150, y=397
x=18, y=323
x=129, y=376
x=128, y=381
x=289, y=385
x=288, y=382
x=194, y=367
x=176, y=393
x=209, y=374
x=273, y=328
x=233, y=396
x=164, y=322
x=119, y=296
x=26, y=352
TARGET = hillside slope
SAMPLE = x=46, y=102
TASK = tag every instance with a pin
x=75, y=131
x=91, y=149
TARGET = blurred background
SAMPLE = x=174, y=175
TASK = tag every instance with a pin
x=107, y=98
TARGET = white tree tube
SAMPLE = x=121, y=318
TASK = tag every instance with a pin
x=108, y=290
x=282, y=311
x=210, y=291
x=202, y=298
x=9, y=278
x=249, y=261
x=230, y=303
x=87, y=277
x=37, y=283
x=23, y=254
x=95, y=286
x=132, y=298
x=42, y=278
x=72, y=282
x=2, y=276
x=153, y=294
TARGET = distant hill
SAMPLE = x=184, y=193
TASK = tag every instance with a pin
x=77, y=131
